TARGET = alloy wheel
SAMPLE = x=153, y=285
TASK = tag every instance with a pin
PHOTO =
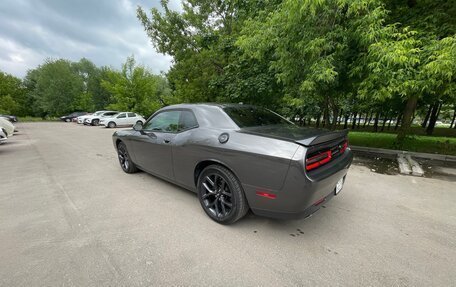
x=123, y=158
x=217, y=196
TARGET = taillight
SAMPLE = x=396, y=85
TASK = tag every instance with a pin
x=325, y=156
x=317, y=160
x=344, y=147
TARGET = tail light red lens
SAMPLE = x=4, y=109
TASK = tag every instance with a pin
x=325, y=156
x=344, y=147
x=317, y=160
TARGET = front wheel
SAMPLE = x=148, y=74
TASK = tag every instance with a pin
x=95, y=122
x=124, y=159
x=221, y=195
x=111, y=125
x=67, y=120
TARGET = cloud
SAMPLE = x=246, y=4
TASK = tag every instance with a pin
x=104, y=31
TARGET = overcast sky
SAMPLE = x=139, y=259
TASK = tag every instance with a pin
x=104, y=31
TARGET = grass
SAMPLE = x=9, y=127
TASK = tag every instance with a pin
x=427, y=144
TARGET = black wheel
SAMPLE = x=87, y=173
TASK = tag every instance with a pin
x=124, y=159
x=67, y=120
x=139, y=122
x=220, y=194
x=95, y=122
x=111, y=125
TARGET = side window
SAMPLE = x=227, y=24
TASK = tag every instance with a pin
x=121, y=116
x=187, y=121
x=164, y=122
x=131, y=115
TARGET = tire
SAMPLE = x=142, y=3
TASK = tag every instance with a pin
x=111, y=125
x=67, y=120
x=95, y=122
x=124, y=159
x=221, y=195
x=140, y=122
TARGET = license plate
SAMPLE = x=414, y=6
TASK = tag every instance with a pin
x=339, y=185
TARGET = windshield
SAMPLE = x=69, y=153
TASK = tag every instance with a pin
x=251, y=116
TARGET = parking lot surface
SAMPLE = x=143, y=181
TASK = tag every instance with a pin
x=70, y=216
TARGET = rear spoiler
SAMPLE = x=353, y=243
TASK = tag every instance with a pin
x=326, y=137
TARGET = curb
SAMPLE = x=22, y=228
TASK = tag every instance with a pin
x=393, y=153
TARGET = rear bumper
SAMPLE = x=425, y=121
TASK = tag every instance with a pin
x=300, y=195
x=295, y=215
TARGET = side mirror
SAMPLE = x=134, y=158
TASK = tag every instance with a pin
x=138, y=127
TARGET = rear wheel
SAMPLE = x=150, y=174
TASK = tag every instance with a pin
x=95, y=122
x=111, y=125
x=67, y=120
x=139, y=122
x=124, y=159
x=221, y=195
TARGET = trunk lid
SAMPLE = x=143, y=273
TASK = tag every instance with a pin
x=301, y=135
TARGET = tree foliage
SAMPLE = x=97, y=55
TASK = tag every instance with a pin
x=11, y=94
x=134, y=88
x=59, y=87
x=312, y=58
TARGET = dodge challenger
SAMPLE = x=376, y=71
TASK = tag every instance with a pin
x=238, y=157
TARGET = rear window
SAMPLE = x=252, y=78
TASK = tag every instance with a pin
x=254, y=116
x=131, y=115
x=187, y=121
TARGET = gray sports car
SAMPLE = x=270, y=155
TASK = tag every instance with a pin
x=238, y=157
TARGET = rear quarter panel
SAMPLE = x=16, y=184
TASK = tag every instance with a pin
x=256, y=161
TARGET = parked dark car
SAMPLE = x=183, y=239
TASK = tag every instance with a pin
x=238, y=157
x=10, y=118
x=72, y=116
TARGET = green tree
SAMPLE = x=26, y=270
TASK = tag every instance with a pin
x=375, y=50
x=208, y=66
x=57, y=87
x=135, y=88
x=11, y=94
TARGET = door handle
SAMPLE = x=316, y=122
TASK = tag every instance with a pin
x=166, y=141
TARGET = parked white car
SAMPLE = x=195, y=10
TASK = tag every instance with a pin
x=122, y=119
x=3, y=136
x=7, y=126
x=80, y=119
x=94, y=120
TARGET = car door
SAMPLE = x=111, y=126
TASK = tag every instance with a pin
x=131, y=119
x=121, y=119
x=152, y=145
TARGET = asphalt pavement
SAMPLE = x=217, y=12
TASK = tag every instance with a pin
x=69, y=216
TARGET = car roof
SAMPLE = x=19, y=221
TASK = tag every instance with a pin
x=203, y=105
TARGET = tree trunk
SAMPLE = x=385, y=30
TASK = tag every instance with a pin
x=384, y=122
x=340, y=117
x=398, y=120
x=317, y=124
x=359, y=120
x=335, y=116
x=426, y=118
x=434, y=116
x=407, y=117
x=454, y=118
x=377, y=115
x=389, y=123
x=367, y=121
x=354, y=120
x=347, y=116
